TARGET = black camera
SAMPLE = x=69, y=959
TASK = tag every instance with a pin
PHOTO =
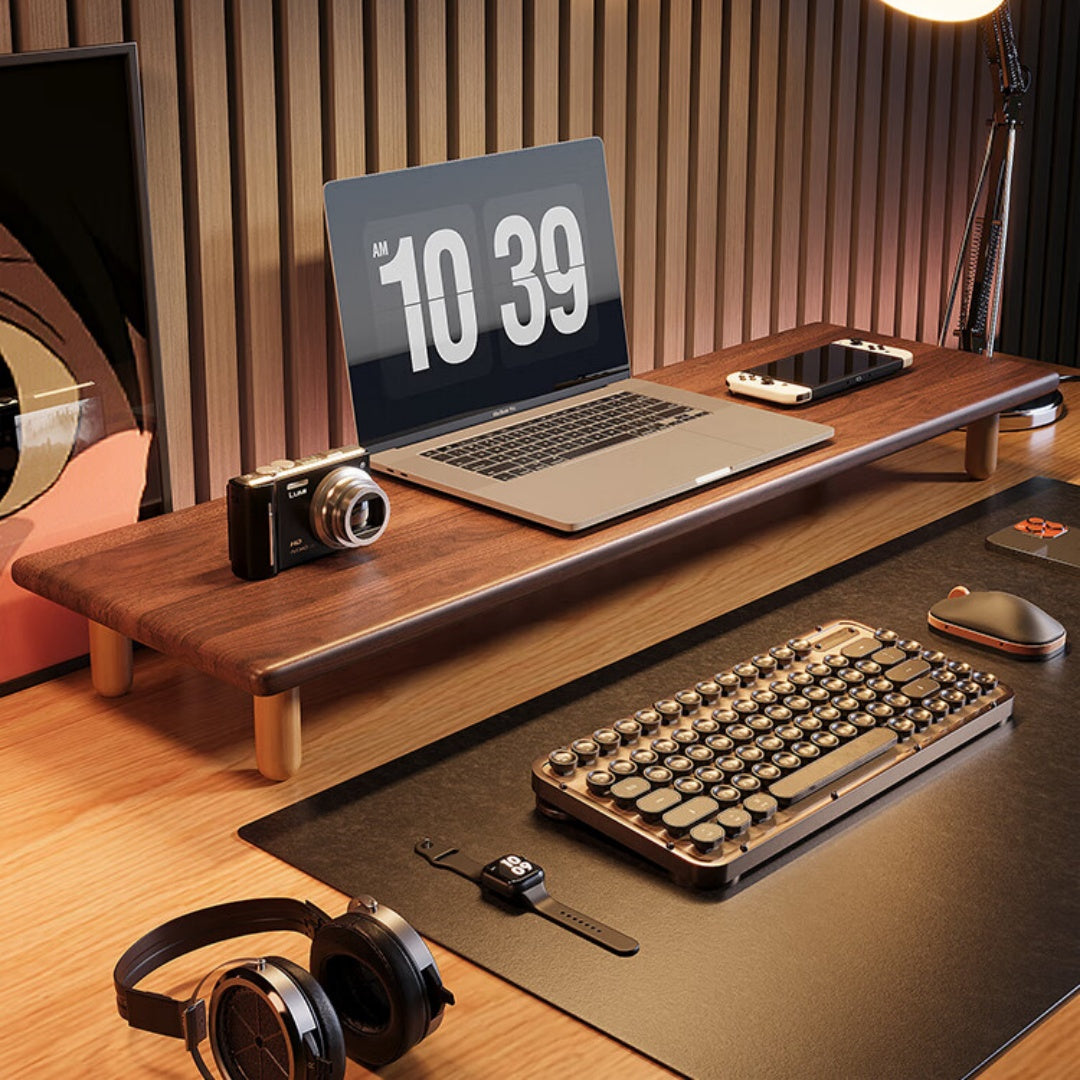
x=290, y=512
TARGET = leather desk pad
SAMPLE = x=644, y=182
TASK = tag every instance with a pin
x=914, y=938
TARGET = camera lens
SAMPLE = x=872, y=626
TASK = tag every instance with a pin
x=349, y=509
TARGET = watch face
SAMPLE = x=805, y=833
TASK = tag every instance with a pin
x=514, y=871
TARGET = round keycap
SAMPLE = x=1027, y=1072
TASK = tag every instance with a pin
x=835, y=661
x=657, y=775
x=886, y=637
x=985, y=680
x=852, y=676
x=844, y=729
x=960, y=668
x=684, y=737
x=649, y=719
x=720, y=744
x=817, y=695
x=934, y=657
x=800, y=647
x=920, y=717
x=689, y=701
x=730, y=764
x=629, y=731
x=669, y=709
x=806, y=750
x=766, y=665
x=936, y=707
x=825, y=740
x=725, y=794
x=766, y=772
x=679, y=764
x=800, y=679
x=699, y=753
x=739, y=732
x=826, y=714
x=750, y=753
x=783, y=655
x=734, y=821
x=745, y=707
x=814, y=722
x=728, y=682
x=664, y=746
x=705, y=725
x=763, y=697
x=759, y=723
x=952, y=698
x=896, y=700
x=910, y=646
x=818, y=670
x=688, y=786
x=944, y=677
x=786, y=760
x=623, y=767
x=599, y=781
x=903, y=726
x=586, y=750
x=747, y=673
x=760, y=807
x=782, y=687
x=863, y=694
x=789, y=732
x=643, y=756
x=834, y=685
x=781, y=714
x=969, y=688
x=709, y=774
x=724, y=716
x=861, y=720
x=868, y=667
x=880, y=685
x=746, y=782
x=608, y=740
x=797, y=703
x=770, y=743
x=845, y=703
x=562, y=761
x=879, y=710
x=709, y=690
x=707, y=836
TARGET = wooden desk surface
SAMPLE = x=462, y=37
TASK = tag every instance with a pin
x=118, y=815
x=167, y=582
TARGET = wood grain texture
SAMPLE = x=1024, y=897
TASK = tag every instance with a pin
x=427, y=77
x=443, y=562
x=40, y=24
x=576, y=54
x=127, y=811
x=209, y=221
x=610, y=111
x=541, y=72
x=505, y=87
x=258, y=248
x=97, y=22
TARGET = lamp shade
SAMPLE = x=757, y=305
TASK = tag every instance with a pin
x=945, y=10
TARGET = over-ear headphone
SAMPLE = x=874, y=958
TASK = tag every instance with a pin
x=372, y=993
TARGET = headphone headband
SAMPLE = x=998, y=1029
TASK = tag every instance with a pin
x=187, y=1019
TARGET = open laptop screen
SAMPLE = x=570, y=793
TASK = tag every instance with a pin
x=475, y=287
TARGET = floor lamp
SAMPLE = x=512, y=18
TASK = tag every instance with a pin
x=980, y=264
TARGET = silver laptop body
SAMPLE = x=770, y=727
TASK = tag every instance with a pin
x=480, y=297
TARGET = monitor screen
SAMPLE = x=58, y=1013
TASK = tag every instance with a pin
x=469, y=288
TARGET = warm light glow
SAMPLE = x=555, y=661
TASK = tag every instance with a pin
x=945, y=10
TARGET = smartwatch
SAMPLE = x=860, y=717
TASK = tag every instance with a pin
x=520, y=882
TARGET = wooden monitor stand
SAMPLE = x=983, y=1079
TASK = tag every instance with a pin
x=444, y=566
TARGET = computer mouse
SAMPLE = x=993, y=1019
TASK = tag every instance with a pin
x=1000, y=620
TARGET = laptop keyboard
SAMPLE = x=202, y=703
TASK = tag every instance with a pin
x=556, y=437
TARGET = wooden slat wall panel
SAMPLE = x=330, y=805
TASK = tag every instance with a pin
x=258, y=247
x=769, y=164
x=39, y=24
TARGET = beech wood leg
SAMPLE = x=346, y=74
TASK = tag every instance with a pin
x=277, y=734
x=110, y=661
x=981, y=447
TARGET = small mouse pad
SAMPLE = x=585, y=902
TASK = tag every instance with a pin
x=913, y=938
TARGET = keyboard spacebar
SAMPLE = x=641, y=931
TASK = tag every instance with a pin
x=838, y=763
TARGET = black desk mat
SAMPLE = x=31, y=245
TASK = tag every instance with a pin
x=912, y=939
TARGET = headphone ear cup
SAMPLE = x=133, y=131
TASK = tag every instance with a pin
x=249, y=1034
x=375, y=988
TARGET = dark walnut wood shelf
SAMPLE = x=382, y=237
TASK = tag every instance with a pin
x=167, y=583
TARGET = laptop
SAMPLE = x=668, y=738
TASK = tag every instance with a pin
x=483, y=328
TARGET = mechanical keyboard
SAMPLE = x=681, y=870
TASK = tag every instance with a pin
x=721, y=777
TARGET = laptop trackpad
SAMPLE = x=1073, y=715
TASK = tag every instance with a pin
x=621, y=479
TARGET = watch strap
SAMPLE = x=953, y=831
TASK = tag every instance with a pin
x=584, y=925
x=448, y=857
